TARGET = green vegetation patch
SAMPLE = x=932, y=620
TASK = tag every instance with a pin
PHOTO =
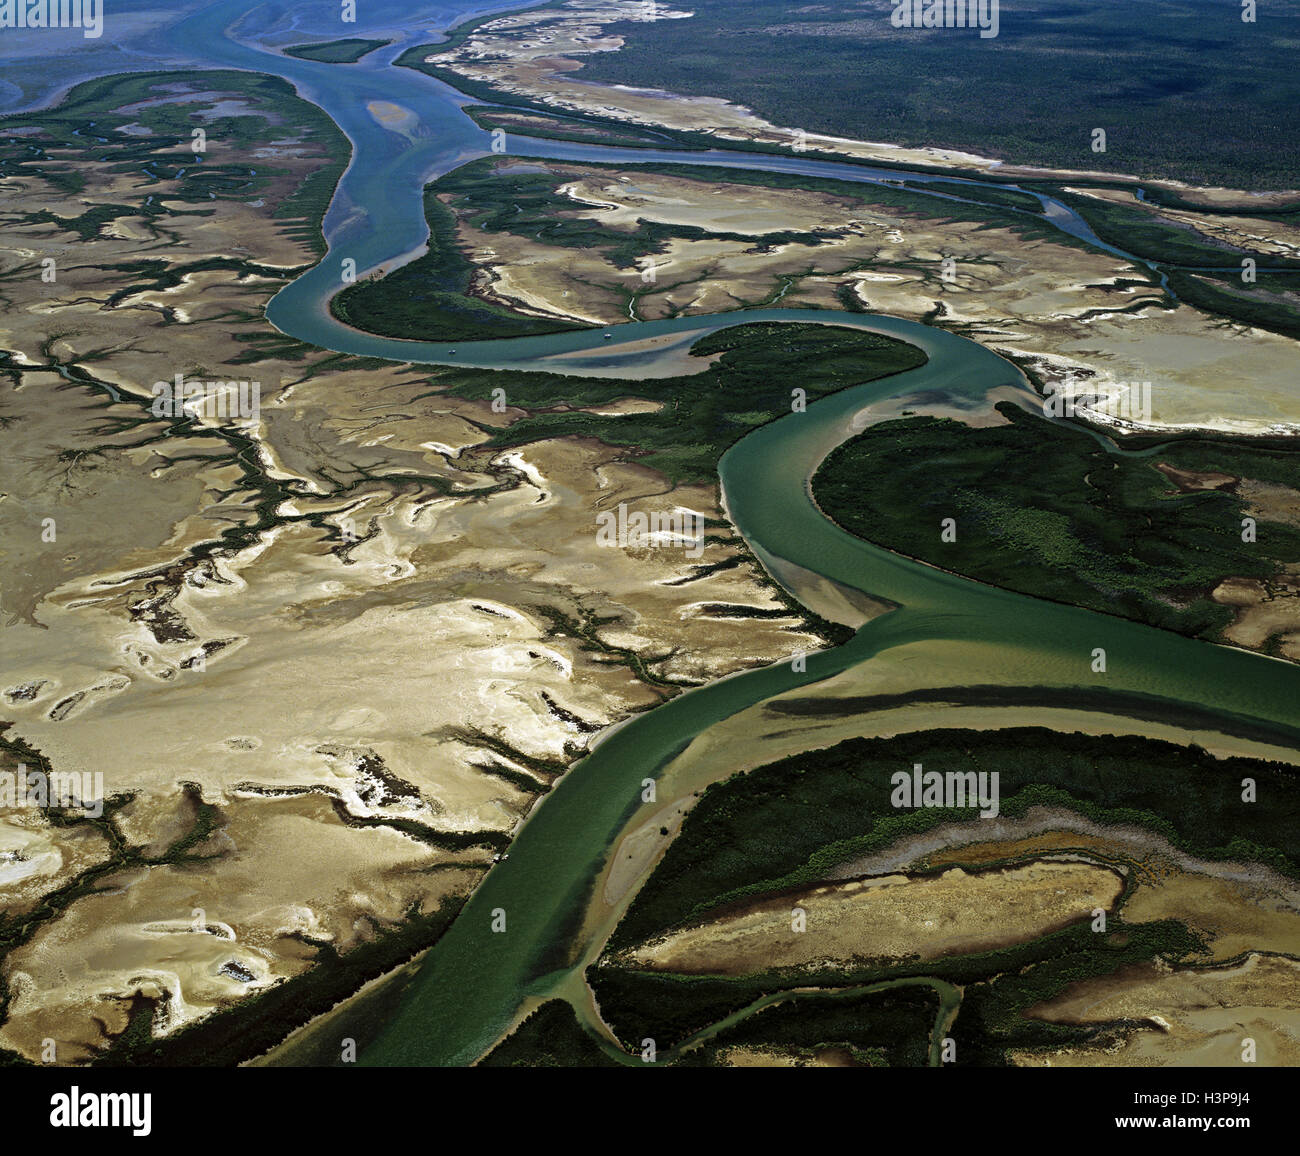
x=1043, y=508
x=787, y=824
x=1163, y=80
x=877, y=1029
x=346, y=51
x=986, y=193
x=428, y=299
x=704, y=413
x=551, y=1037
x=553, y=126
x=1147, y=235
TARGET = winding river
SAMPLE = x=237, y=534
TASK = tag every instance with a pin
x=473, y=981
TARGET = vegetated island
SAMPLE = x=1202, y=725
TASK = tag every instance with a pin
x=347, y=51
